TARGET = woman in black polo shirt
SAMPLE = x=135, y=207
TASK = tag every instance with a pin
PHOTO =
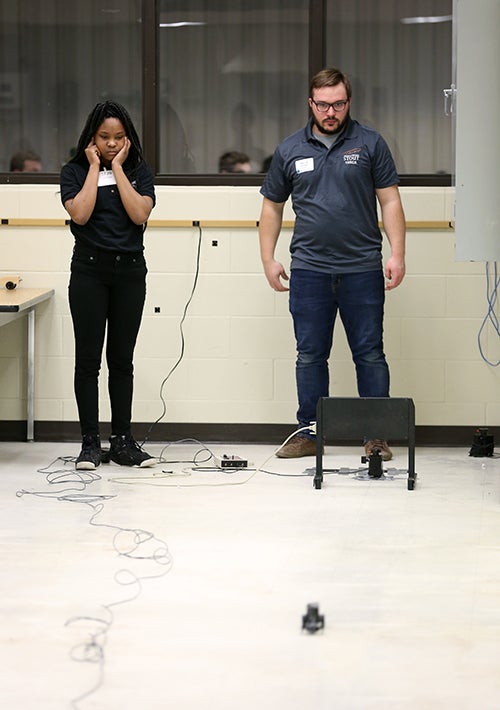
x=107, y=189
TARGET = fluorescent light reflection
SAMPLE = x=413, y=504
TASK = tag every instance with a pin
x=423, y=20
x=182, y=24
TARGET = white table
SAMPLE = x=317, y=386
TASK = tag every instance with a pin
x=17, y=303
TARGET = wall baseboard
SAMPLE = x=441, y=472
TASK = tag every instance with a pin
x=224, y=433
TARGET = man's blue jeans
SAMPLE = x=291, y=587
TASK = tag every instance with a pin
x=315, y=300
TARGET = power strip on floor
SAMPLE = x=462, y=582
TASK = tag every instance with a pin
x=230, y=461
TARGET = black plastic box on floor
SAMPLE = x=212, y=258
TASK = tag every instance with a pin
x=364, y=418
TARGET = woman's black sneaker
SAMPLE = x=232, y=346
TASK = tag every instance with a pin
x=125, y=451
x=90, y=455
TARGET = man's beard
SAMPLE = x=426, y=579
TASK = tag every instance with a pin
x=330, y=131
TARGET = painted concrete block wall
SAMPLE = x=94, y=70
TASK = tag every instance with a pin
x=239, y=352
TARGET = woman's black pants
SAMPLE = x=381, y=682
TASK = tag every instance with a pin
x=107, y=291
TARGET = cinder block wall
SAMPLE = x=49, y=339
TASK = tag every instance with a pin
x=238, y=361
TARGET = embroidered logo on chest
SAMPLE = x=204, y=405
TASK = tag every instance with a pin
x=351, y=157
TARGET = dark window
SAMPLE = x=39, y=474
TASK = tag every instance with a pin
x=58, y=58
x=206, y=77
x=232, y=77
x=398, y=56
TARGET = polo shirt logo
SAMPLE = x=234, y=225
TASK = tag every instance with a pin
x=351, y=157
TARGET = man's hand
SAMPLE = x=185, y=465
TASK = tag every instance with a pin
x=274, y=273
x=394, y=272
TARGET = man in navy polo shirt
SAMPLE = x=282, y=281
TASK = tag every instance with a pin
x=335, y=171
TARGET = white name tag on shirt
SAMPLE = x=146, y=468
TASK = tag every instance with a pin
x=106, y=177
x=305, y=165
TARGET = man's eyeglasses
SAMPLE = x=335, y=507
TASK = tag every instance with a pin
x=323, y=107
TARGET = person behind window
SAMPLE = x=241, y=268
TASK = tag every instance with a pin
x=25, y=161
x=335, y=170
x=107, y=189
x=234, y=162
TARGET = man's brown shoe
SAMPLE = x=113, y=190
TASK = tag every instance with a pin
x=297, y=446
x=381, y=445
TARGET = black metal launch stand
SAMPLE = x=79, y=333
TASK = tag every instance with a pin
x=361, y=419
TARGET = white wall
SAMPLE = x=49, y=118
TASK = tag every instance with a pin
x=239, y=357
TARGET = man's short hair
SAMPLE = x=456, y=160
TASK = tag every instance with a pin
x=18, y=159
x=330, y=77
x=227, y=161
